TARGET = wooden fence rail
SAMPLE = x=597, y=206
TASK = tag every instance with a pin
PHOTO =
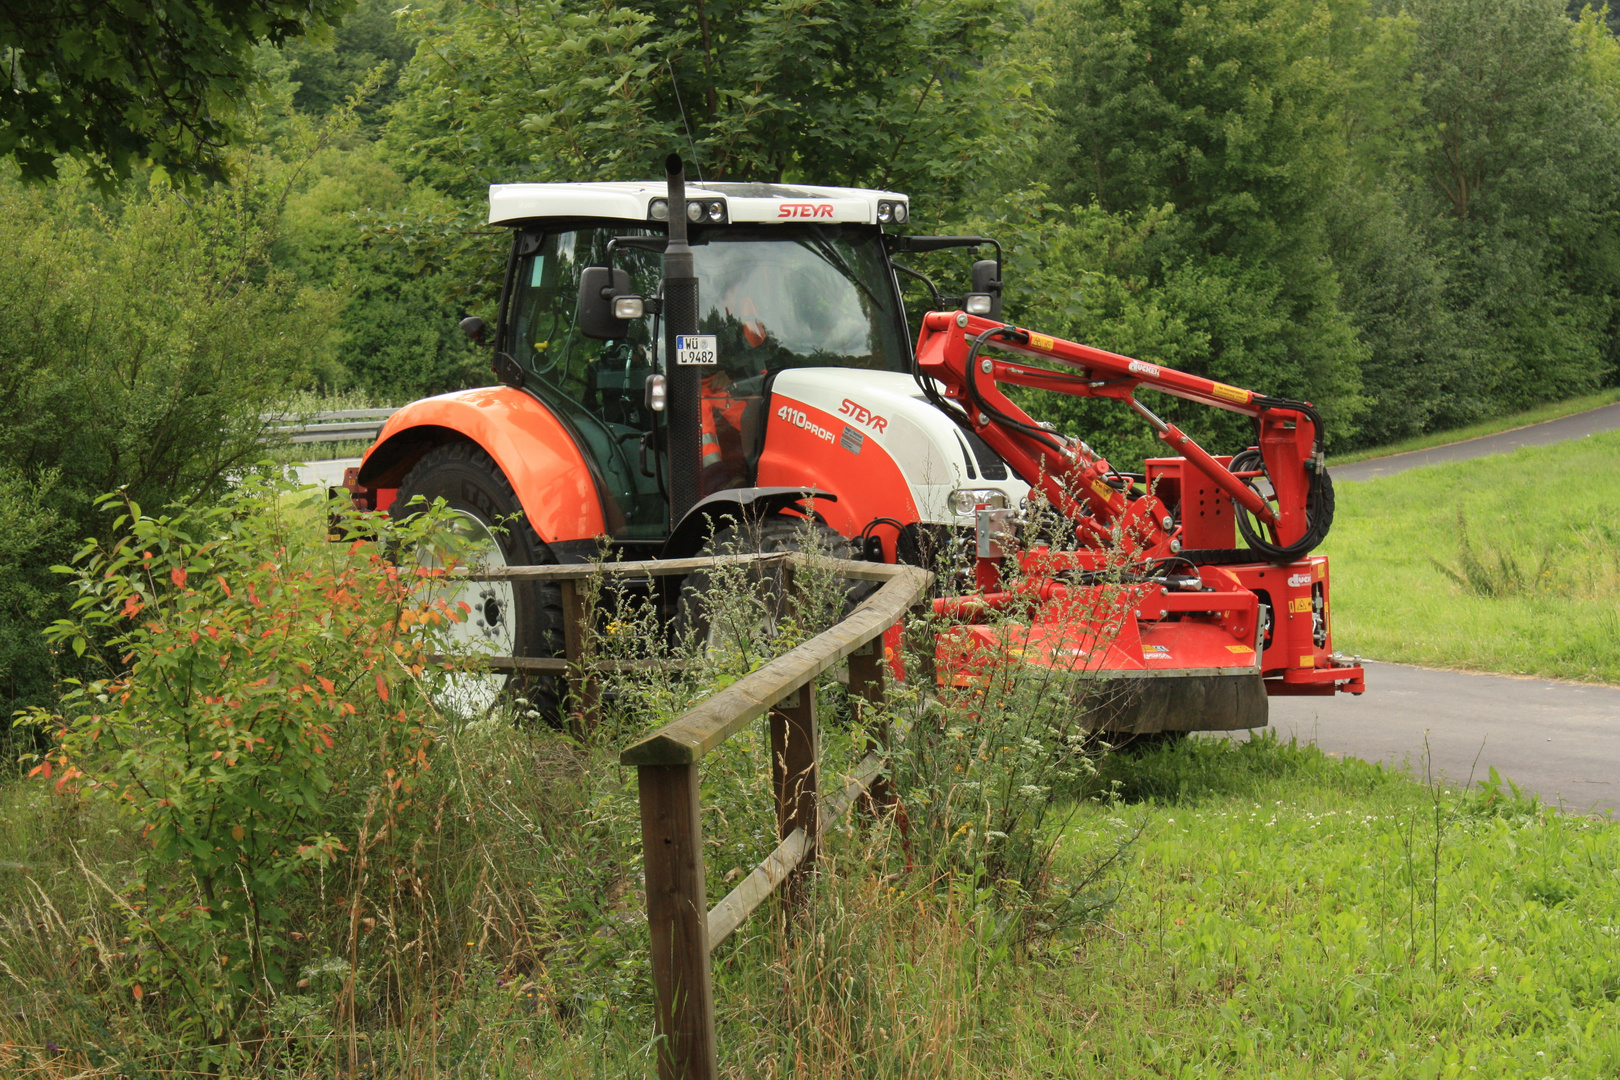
x=682, y=927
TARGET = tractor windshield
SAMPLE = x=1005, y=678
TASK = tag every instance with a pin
x=780, y=297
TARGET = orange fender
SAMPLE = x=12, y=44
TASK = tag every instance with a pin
x=534, y=450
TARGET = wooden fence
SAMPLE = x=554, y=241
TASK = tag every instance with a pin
x=683, y=928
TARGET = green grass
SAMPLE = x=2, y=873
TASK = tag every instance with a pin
x=1282, y=914
x=1288, y=914
x=1539, y=414
x=1279, y=914
x=1541, y=574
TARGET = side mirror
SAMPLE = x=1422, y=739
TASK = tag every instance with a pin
x=598, y=285
x=987, y=281
x=474, y=328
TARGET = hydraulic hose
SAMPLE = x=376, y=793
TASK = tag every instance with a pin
x=1040, y=435
x=1319, y=500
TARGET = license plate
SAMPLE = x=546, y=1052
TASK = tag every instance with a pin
x=695, y=349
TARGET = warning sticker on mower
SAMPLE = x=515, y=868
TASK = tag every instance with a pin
x=1230, y=393
x=1040, y=341
x=1299, y=605
x=696, y=350
x=1239, y=649
x=1156, y=652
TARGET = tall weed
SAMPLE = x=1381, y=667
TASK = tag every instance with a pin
x=1585, y=563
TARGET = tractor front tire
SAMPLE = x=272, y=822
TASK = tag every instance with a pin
x=519, y=618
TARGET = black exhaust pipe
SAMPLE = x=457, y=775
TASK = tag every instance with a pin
x=684, y=382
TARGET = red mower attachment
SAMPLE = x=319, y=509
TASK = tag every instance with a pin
x=1153, y=601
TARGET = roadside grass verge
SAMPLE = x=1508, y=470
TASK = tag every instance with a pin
x=1508, y=564
x=1541, y=413
x=1289, y=914
x=1279, y=913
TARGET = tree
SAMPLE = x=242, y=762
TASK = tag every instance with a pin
x=123, y=84
x=328, y=72
x=1231, y=114
x=917, y=95
x=1517, y=152
x=397, y=335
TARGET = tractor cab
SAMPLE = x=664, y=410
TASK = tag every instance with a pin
x=788, y=278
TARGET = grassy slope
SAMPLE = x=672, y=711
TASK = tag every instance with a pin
x=1391, y=603
x=1280, y=916
x=1551, y=411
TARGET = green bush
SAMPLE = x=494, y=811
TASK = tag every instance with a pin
x=140, y=344
x=259, y=688
x=29, y=594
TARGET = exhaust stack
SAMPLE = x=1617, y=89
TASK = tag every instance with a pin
x=684, y=382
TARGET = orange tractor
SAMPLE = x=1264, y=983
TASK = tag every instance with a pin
x=675, y=362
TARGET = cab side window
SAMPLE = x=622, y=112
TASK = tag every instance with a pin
x=598, y=387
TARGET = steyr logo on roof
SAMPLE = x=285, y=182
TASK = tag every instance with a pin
x=804, y=209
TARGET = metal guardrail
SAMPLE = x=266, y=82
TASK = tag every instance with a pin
x=683, y=928
x=337, y=425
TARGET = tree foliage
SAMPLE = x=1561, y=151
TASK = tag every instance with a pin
x=920, y=95
x=142, y=346
x=129, y=84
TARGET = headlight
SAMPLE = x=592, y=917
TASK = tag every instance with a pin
x=977, y=303
x=890, y=210
x=964, y=501
x=695, y=212
x=658, y=209
x=717, y=211
x=629, y=307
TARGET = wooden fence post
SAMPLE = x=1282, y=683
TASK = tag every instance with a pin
x=795, y=764
x=866, y=682
x=581, y=684
x=678, y=921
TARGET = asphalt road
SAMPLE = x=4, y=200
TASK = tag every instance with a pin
x=1577, y=426
x=1559, y=740
x=325, y=473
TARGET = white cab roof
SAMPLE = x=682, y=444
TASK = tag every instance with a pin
x=510, y=204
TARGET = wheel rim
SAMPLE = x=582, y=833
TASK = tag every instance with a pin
x=488, y=626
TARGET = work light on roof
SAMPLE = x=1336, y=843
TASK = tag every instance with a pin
x=698, y=211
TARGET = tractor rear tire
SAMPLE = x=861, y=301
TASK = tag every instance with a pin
x=508, y=618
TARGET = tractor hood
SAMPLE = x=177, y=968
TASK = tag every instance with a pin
x=886, y=410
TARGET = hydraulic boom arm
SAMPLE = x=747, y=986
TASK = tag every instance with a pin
x=1289, y=521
